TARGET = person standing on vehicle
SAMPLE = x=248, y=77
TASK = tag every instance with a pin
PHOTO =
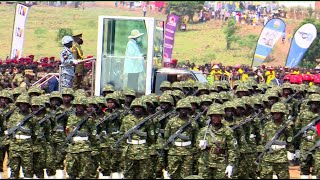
x=144, y=11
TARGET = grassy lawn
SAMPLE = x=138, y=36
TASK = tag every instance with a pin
x=201, y=43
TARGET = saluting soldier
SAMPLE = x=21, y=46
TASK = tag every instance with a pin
x=78, y=54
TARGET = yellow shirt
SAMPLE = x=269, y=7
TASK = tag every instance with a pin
x=270, y=76
x=195, y=69
x=244, y=77
x=216, y=74
x=296, y=72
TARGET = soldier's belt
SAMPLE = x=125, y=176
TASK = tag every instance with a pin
x=78, y=138
x=182, y=144
x=143, y=141
x=276, y=147
x=22, y=137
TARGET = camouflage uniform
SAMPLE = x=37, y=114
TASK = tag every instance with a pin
x=180, y=154
x=41, y=139
x=275, y=161
x=78, y=158
x=136, y=148
x=21, y=142
x=220, y=148
x=308, y=140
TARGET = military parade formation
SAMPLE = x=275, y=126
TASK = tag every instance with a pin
x=247, y=130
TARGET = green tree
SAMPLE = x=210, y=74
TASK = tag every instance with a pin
x=230, y=32
x=185, y=8
x=313, y=52
x=63, y=32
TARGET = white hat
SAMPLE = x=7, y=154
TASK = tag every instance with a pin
x=67, y=39
x=254, y=69
x=135, y=33
x=216, y=67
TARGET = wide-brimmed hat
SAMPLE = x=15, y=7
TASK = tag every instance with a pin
x=135, y=33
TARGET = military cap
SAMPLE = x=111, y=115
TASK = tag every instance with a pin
x=205, y=98
x=183, y=103
x=56, y=94
x=166, y=98
x=37, y=101
x=278, y=107
x=129, y=92
x=215, y=108
x=165, y=84
x=80, y=92
x=80, y=100
x=67, y=91
x=108, y=88
x=23, y=98
x=113, y=97
x=176, y=85
x=6, y=94
x=138, y=102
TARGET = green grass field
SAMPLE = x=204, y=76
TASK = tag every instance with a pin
x=201, y=43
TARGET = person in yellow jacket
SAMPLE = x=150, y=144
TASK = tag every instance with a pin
x=270, y=74
x=216, y=72
x=193, y=67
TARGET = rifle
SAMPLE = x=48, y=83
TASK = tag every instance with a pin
x=290, y=97
x=24, y=120
x=134, y=128
x=181, y=129
x=69, y=112
x=46, y=117
x=248, y=120
x=273, y=139
x=78, y=126
x=317, y=145
x=5, y=108
x=167, y=114
x=311, y=124
x=111, y=117
x=6, y=116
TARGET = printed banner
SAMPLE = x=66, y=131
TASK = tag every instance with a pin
x=270, y=34
x=19, y=30
x=170, y=29
x=300, y=43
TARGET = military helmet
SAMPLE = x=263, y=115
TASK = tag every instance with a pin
x=224, y=95
x=229, y=104
x=215, y=97
x=147, y=100
x=67, y=91
x=248, y=101
x=80, y=100
x=130, y=92
x=80, y=92
x=56, y=94
x=193, y=177
x=37, y=101
x=18, y=90
x=138, y=102
x=45, y=99
x=92, y=100
x=205, y=98
x=112, y=96
x=314, y=98
x=239, y=103
x=176, y=85
x=34, y=89
x=203, y=86
x=242, y=87
x=178, y=93
x=257, y=100
x=194, y=100
x=23, y=98
x=6, y=94
x=119, y=95
x=236, y=83
x=278, y=107
x=183, y=103
x=100, y=100
x=273, y=94
x=314, y=89
x=165, y=84
x=108, y=88
x=166, y=98
x=287, y=86
x=187, y=84
x=215, y=108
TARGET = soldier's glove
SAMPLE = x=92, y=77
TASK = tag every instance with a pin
x=203, y=144
x=229, y=171
x=252, y=136
x=310, y=138
x=75, y=62
x=290, y=156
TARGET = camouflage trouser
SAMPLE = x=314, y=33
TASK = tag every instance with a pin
x=154, y=160
x=137, y=169
x=55, y=156
x=95, y=155
x=39, y=163
x=207, y=172
x=317, y=163
x=161, y=162
x=247, y=168
x=79, y=165
x=180, y=166
x=3, y=153
x=270, y=168
x=110, y=161
x=306, y=164
x=21, y=158
x=196, y=157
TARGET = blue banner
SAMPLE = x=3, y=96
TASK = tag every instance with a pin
x=300, y=43
x=270, y=34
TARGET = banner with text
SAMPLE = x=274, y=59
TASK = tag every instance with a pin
x=270, y=34
x=170, y=29
x=19, y=30
x=300, y=43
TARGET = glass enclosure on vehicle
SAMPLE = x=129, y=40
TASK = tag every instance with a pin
x=127, y=48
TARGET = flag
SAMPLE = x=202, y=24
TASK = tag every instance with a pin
x=300, y=43
x=270, y=34
x=170, y=29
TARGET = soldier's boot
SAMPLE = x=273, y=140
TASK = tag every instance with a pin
x=51, y=177
x=304, y=176
x=9, y=172
x=275, y=177
x=60, y=174
x=1, y=175
x=313, y=177
x=101, y=176
x=116, y=175
x=35, y=177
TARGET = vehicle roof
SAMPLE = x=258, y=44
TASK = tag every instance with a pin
x=173, y=71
